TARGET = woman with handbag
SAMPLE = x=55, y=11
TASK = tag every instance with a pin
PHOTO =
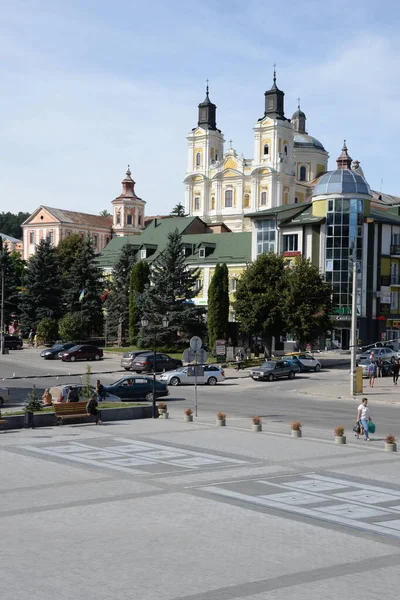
x=363, y=417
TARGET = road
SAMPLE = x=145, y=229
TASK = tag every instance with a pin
x=277, y=402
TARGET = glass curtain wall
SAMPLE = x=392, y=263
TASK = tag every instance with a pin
x=266, y=236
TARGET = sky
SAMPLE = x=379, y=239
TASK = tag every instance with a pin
x=90, y=86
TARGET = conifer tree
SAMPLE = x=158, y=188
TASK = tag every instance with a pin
x=118, y=299
x=11, y=282
x=139, y=278
x=218, y=306
x=42, y=290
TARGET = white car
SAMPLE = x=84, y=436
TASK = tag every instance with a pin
x=185, y=376
x=59, y=393
x=383, y=353
x=305, y=361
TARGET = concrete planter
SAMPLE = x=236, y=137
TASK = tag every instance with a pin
x=221, y=422
x=188, y=418
x=390, y=447
x=295, y=433
x=164, y=415
x=340, y=439
x=256, y=427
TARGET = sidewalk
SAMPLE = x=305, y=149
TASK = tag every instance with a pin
x=383, y=391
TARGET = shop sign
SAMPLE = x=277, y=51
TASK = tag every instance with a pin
x=342, y=310
x=342, y=318
x=396, y=324
x=288, y=254
x=385, y=294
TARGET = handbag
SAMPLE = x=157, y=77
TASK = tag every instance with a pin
x=371, y=427
x=357, y=428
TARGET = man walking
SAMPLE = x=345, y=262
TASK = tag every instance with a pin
x=100, y=391
x=395, y=371
x=363, y=417
x=379, y=367
x=372, y=373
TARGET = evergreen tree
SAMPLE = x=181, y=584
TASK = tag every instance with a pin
x=67, y=252
x=170, y=293
x=259, y=304
x=10, y=224
x=11, y=283
x=41, y=296
x=308, y=302
x=85, y=276
x=178, y=211
x=218, y=306
x=139, y=278
x=118, y=298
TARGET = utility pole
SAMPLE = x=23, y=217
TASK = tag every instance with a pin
x=353, y=336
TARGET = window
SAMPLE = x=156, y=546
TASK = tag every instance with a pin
x=212, y=153
x=290, y=243
x=31, y=237
x=143, y=253
x=212, y=202
x=263, y=199
x=202, y=253
x=129, y=219
x=228, y=198
x=266, y=149
x=198, y=159
x=285, y=150
x=246, y=200
x=232, y=284
x=198, y=285
x=50, y=236
x=140, y=218
x=95, y=241
x=197, y=203
x=118, y=218
x=296, y=200
x=266, y=236
x=216, y=156
x=303, y=174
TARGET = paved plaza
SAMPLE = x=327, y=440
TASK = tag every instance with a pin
x=166, y=510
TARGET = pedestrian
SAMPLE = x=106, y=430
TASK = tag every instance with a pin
x=30, y=337
x=372, y=373
x=395, y=371
x=91, y=409
x=73, y=395
x=35, y=340
x=100, y=391
x=47, y=397
x=379, y=367
x=238, y=361
x=363, y=417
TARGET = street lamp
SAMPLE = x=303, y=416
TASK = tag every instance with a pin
x=145, y=323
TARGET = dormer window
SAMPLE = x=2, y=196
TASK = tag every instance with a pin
x=202, y=253
x=266, y=149
x=143, y=253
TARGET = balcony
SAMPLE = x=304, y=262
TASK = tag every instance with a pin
x=395, y=250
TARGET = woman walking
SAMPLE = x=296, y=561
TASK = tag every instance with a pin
x=395, y=371
x=363, y=417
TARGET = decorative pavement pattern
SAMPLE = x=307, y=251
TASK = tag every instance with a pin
x=136, y=457
x=344, y=502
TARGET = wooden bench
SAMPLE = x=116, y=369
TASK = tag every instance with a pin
x=70, y=410
x=3, y=422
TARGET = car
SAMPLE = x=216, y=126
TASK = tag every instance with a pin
x=59, y=393
x=54, y=352
x=4, y=395
x=128, y=358
x=81, y=352
x=271, y=370
x=13, y=342
x=384, y=353
x=137, y=388
x=144, y=363
x=185, y=376
x=387, y=367
x=305, y=361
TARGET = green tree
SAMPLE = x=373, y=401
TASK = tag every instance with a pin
x=218, y=306
x=74, y=327
x=41, y=296
x=118, y=298
x=307, y=302
x=105, y=213
x=47, y=330
x=170, y=292
x=67, y=252
x=11, y=283
x=10, y=224
x=139, y=278
x=178, y=210
x=258, y=302
x=85, y=276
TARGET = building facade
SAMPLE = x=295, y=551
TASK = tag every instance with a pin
x=223, y=186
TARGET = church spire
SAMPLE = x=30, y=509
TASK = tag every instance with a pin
x=128, y=186
x=344, y=160
x=207, y=112
x=274, y=101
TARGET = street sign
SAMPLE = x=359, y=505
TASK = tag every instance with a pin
x=196, y=343
x=196, y=371
x=188, y=355
x=201, y=356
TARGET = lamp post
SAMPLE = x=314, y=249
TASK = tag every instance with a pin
x=2, y=349
x=353, y=336
x=145, y=323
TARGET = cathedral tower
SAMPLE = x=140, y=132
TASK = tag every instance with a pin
x=128, y=209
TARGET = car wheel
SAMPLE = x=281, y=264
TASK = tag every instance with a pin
x=97, y=357
x=270, y=377
x=127, y=368
x=291, y=375
x=1, y=402
x=149, y=397
x=174, y=381
x=19, y=346
x=212, y=381
x=317, y=368
x=72, y=359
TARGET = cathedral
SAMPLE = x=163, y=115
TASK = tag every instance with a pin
x=222, y=186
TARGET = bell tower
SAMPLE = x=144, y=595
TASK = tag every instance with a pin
x=128, y=209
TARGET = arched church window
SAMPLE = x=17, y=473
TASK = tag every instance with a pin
x=263, y=199
x=212, y=153
x=228, y=198
x=303, y=174
x=246, y=200
x=197, y=203
x=266, y=149
x=212, y=202
x=285, y=150
x=129, y=219
x=198, y=159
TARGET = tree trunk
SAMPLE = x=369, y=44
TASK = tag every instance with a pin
x=268, y=347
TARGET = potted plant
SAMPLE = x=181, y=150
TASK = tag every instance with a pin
x=340, y=438
x=221, y=419
x=33, y=404
x=257, y=424
x=162, y=410
x=188, y=416
x=390, y=443
x=295, y=427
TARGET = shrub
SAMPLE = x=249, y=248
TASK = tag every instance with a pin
x=47, y=330
x=339, y=430
x=33, y=402
x=390, y=439
x=256, y=420
x=162, y=406
x=221, y=415
x=296, y=426
x=73, y=327
x=188, y=411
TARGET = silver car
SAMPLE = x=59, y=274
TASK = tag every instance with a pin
x=271, y=370
x=185, y=376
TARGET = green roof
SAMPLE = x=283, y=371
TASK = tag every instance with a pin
x=278, y=210
x=304, y=218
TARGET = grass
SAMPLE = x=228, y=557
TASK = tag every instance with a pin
x=50, y=409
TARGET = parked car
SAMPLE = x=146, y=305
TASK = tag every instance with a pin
x=185, y=376
x=128, y=358
x=271, y=370
x=305, y=361
x=59, y=393
x=144, y=363
x=384, y=353
x=4, y=395
x=81, y=352
x=387, y=367
x=137, y=388
x=54, y=352
x=13, y=342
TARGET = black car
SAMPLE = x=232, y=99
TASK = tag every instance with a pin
x=128, y=358
x=144, y=363
x=12, y=342
x=52, y=353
